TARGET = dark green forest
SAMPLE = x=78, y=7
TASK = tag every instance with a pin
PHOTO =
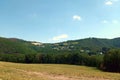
x=101, y=53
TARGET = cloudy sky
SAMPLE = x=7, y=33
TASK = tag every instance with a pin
x=59, y=20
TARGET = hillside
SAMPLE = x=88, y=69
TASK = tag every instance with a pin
x=15, y=71
x=12, y=45
x=86, y=45
x=95, y=45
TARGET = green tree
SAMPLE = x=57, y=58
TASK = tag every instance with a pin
x=112, y=61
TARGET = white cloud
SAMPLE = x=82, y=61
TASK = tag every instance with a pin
x=57, y=38
x=110, y=21
x=77, y=17
x=109, y=3
x=115, y=21
x=105, y=21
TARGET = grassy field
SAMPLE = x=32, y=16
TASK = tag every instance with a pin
x=15, y=71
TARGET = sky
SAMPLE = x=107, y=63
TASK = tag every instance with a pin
x=52, y=21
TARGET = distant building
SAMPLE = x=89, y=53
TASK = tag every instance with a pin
x=81, y=50
x=36, y=43
x=101, y=53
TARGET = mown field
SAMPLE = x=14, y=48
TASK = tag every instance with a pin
x=16, y=71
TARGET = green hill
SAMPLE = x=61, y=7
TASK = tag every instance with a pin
x=13, y=45
x=84, y=45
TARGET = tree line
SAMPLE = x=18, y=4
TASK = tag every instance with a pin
x=109, y=61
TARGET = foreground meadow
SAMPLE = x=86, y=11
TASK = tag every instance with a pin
x=16, y=71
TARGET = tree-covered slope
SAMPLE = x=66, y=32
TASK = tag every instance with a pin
x=88, y=44
x=14, y=46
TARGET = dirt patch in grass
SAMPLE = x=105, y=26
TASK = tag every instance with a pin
x=57, y=76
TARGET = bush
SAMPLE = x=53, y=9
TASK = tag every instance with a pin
x=111, y=61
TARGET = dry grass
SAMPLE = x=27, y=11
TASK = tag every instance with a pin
x=15, y=71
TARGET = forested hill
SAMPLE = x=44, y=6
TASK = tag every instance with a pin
x=85, y=45
x=13, y=45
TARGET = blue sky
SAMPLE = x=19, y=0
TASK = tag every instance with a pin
x=59, y=20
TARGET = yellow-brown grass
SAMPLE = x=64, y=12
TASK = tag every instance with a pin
x=16, y=71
